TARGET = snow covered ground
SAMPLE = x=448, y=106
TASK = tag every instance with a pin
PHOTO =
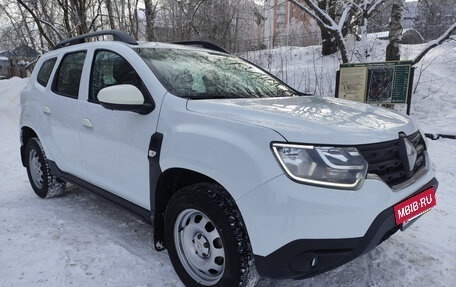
x=80, y=239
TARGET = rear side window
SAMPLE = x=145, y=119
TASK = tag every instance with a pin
x=68, y=76
x=45, y=71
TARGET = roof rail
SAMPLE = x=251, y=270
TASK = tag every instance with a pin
x=117, y=36
x=203, y=44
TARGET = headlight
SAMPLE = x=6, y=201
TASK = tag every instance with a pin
x=337, y=167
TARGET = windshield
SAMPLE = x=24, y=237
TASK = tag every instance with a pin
x=206, y=75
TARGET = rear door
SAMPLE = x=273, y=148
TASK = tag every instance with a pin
x=61, y=109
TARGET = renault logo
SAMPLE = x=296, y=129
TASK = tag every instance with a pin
x=408, y=154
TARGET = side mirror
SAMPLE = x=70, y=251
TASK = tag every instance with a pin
x=124, y=98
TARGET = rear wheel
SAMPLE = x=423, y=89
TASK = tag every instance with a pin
x=206, y=238
x=43, y=182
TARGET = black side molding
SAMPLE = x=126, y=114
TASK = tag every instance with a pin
x=136, y=209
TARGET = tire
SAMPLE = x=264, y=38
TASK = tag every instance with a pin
x=206, y=238
x=43, y=182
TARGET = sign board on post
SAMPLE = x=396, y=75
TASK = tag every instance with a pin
x=379, y=83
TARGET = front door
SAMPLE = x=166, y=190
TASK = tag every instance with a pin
x=115, y=143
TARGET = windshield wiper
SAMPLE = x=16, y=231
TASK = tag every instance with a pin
x=208, y=96
x=304, y=94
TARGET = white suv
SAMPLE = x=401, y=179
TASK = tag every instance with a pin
x=235, y=169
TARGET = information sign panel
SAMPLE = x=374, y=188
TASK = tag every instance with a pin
x=384, y=82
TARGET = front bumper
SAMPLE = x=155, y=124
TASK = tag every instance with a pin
x=304, y=258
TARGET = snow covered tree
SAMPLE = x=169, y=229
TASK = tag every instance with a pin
x=332, y=27
x=328, y=42
x=336, y=17
x=432, y=44
x=364, y=10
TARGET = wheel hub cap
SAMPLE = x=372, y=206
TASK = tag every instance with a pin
x=201, y=245
x=35, y=169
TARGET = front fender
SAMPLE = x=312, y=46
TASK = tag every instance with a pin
x=236, y=155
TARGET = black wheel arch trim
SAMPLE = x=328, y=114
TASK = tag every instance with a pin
x=156, y=201
x=24, y=164
x=26, y=134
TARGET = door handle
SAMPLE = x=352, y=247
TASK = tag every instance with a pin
x=47, y=110
x=87, y=123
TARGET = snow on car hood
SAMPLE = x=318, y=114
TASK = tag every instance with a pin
x=312, y=120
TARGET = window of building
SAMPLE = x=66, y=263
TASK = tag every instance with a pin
x=281, y=8
x=280, y=18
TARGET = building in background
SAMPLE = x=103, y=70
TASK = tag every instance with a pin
x=287, y=25
x=16, y=62
x=4, y=67
x=409, y=15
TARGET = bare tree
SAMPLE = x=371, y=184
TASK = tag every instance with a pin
x=434, y=17
x=109, y=10
x=48, y=21
x=150, y=11
x=395, y=31
x=12, y=31
x=222, y=22
x=37, y=22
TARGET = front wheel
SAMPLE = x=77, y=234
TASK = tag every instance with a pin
x=206, y=238
x=43, y=182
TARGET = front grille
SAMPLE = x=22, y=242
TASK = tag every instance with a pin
x=385, y=161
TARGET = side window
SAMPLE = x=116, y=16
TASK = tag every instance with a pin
x=45, y=71
x=68, y=76
x=110, y=69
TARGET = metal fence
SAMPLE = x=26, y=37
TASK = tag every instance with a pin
x=304, y=40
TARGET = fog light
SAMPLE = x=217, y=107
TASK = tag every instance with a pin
x=314, y=262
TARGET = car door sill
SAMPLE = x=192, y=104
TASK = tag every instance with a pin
x=143, y=213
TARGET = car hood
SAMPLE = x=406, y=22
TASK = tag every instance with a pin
x=310, y=119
